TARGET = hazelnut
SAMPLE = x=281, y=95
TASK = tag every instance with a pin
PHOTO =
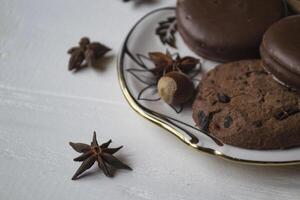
x=175, y=88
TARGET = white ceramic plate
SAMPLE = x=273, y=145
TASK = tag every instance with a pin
x=154, y=33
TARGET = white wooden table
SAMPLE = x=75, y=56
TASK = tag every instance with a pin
x=43, y=107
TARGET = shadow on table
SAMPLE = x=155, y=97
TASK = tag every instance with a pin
x=280, y=176
x=144, y=2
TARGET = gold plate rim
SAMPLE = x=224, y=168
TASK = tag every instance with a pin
x=158, y=121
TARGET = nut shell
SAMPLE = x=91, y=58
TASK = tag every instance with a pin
x=175, y=88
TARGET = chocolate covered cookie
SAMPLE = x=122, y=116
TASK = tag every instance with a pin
x=280, y=51
x=226, y=30
x=242, y=105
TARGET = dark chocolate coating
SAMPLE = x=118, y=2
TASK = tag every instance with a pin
x=226, y=30
x=280, y=51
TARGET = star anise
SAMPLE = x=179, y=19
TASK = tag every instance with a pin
x=164, y=63
x=100, y=153
x=86, y=54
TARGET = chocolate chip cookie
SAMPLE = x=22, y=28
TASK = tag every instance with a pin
x=242, y=105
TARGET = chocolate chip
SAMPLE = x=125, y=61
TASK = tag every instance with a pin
x=292, y=110
x=286, y=112
x=258, y=124
x=228, y=122
x=204, y=120
x=280, y=115
x=223, y=98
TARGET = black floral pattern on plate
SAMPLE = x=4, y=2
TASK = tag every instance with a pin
x=141, y=70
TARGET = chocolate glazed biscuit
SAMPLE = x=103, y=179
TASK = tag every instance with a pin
x=280, y=51
x=226, y=30
x=242, y=105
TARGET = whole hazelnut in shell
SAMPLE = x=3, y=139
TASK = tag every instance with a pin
x=175, y=88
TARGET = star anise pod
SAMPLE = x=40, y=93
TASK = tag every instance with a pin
x=77, y=59
x=86, y=54
x=100, y=153
x=164, y=63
